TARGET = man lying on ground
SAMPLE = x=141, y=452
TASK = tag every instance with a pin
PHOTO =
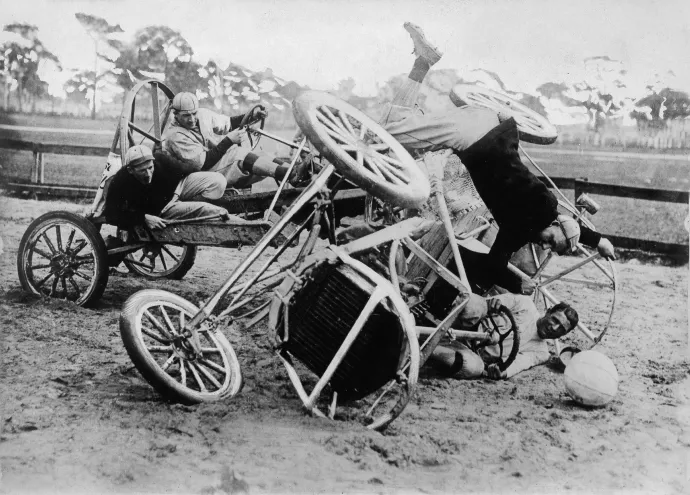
x=534, y=331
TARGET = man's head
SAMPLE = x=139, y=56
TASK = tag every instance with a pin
x=139, y=163
x=185, y=106
x=557, y=322
x=560, y=236
x=474, y=311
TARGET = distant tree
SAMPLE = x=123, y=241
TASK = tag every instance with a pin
x=101, y=32
x=656, y=109
x=21, y=60
x=601, y=90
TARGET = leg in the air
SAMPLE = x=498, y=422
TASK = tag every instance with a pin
x=426, y=55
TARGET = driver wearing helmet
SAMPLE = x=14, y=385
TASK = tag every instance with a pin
x=143, y=192
x=533, y=330
x=204, y=140
x=487, y=144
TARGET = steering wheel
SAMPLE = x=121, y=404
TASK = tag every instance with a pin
x=500, y=323
x=253, y=141
x=534, y=128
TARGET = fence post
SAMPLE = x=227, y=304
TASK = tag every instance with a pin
x=34, y=168
x=579, y=186
x=41, y=167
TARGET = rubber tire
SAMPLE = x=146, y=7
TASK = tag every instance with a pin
x=100, y=279
x=412, y=195
x=177, y=273
x=149, y=368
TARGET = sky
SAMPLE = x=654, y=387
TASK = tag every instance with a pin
x=318, y=43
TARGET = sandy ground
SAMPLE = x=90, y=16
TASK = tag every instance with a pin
x=77, y=417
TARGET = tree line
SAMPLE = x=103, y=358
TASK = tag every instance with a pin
x=602, y=94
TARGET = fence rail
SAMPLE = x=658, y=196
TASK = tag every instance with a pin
x=36, y=186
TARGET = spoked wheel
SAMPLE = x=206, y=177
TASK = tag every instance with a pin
x=585, y=281
x=145, y=113
x=62, y=256
x=533, y=127
x=152, y=327
x=361, y=149
x=161, y=261
x=505, y=343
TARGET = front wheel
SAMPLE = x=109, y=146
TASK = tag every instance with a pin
x=62, y=255
x=152, y=327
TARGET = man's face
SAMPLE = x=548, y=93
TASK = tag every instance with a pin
x=143, y=172
x=552, y=238
x=186, y=119
x=553, y=325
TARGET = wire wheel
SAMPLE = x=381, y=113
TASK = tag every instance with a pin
x=534, y=128
x=361, y=149
x=152, y=327
x=161, y=261
x=586, y=282
x=62, y=255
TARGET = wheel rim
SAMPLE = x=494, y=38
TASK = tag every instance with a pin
x=158, y=260
x=159, y=327
x=528, y=121
x=502, y=326
x=361, y=149
x=61, y=262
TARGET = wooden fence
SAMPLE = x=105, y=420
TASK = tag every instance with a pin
x=36, y=186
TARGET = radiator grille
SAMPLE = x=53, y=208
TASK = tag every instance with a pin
x=323, y=313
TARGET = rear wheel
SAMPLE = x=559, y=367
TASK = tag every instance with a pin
x=161, y=261
x=62, y=256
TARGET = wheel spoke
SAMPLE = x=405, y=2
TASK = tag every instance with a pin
x=371, y=165
x=360, y=158
x=42, y=253
x=362, y=131
x=58, y=237
x=44, y=280
x=70, y=239
x=337, y=137
x=39, y=267
x=81, y=275
x=150, y=333
x=386, y=171
x=335, y=130
x=165, y=265
x=207, y=374
x=168, y=321
x=396, y=163
x=159, y=348
x=392, y=169
x=346, y=122
x=170, y=253
x=54, y=286
x=379, y=146
x=183, y=372
x=335, y=120
x=157, y=324
x=63, y=281
x=81, y=245
x=170, y=361
x=214, y=366
x=76, y=286
x=47, y=240
x=198, y=379
x=210, y=350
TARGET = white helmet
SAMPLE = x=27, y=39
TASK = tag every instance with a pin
x=185, y=102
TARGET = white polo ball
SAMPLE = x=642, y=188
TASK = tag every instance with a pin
x=591, y=378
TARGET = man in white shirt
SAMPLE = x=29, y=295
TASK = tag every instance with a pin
x=534, y=332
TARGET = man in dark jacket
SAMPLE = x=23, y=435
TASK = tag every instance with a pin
x=487, y=144
x=144, y=191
